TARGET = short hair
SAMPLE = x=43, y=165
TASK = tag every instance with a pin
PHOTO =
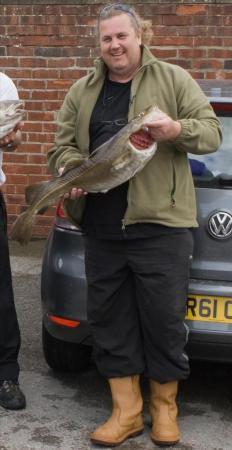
x=140, y=25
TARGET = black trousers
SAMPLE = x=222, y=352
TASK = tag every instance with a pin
x=9, y=328
x=137, y=292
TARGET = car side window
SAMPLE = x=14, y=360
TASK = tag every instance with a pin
x=219, y=164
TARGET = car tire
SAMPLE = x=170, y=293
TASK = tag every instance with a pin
x=64, y=356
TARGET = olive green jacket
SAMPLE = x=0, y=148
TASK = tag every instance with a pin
x=163, y=192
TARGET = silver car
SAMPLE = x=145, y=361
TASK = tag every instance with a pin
x=209, y=305
x=67, y=341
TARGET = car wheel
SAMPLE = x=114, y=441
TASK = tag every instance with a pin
x=65, y=356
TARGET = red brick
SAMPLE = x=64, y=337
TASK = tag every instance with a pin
x=37, y=159
x=75, y=74
x=207, y=64
x=32, y=62
x=18, y=10
x=209, y=41
x=75, y=10
x=20, y=189
x=191, y=9
x=220, y=9
x=59, y=84
x=42, y=116
x=20, y=51
x=29, y=148
x=49, y=127
x=33, y=126
x=177, y=20
x=192, y=53
x=173, y=41
x=9, y=189
x=9, y=20
x=32, y=84
x=45, y=95
x=8, y=62
x=61, y=62
x=163, y=53
x=14, y=199
x=12, y=209
x=16, y=179
x=219, y=53
x=40, y=137
x=15, y=158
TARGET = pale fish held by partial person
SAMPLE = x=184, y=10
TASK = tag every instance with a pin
x=11, y=113
x=110, y=165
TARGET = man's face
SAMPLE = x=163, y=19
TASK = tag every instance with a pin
x=120, y=46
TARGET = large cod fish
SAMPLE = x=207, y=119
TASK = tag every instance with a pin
x=111, y=164
x=11, y=113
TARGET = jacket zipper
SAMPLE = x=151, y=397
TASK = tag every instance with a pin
x=173, y=201
x=123, y=225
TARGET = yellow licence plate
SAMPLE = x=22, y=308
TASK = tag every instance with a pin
x=209, y=309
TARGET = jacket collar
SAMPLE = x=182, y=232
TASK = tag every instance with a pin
x=101, y=69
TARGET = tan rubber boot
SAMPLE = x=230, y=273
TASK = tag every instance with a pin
x=126, y=419
x=163, y=409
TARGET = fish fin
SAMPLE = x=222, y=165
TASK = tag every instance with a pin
x=22, y=228
x=73, y=164
x=33, y=191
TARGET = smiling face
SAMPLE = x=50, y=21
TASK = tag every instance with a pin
x=120, y=47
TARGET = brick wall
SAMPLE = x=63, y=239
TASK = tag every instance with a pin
x=45, y=46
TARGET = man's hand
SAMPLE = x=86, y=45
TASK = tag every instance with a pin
x=163, y=128
x=13, y=139
x=75, y=192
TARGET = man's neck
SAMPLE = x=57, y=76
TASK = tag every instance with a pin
x=123, y=77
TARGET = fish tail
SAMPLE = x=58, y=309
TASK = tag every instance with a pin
x=22, y=228
x=34, y=191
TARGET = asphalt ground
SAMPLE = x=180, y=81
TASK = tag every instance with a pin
x=63, y=409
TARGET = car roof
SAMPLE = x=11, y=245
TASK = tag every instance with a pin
x=218, y=91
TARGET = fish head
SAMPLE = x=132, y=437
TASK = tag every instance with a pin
x=135, y=154
x=137, y=127
x=11, y=113
x=143, y=152
x=149, y=114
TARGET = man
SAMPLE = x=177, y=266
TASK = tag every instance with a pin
x=11, y=396
x=137, y=236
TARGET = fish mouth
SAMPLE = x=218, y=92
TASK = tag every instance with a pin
x=143, y=151
x=141, y=140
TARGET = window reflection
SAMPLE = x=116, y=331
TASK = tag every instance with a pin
x=219, y=162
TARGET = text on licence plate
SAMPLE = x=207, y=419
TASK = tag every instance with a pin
x=209, y=309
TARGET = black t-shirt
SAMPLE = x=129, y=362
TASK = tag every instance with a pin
x=104, y=212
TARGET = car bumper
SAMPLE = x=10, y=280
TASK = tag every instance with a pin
x=210, y=346
x=63, y=286
x=63, y=291
x=210, y=340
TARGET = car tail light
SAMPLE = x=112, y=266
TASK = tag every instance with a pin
x=223, y=108
x=64, y=322
x=60, y=210
x=61, y=219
